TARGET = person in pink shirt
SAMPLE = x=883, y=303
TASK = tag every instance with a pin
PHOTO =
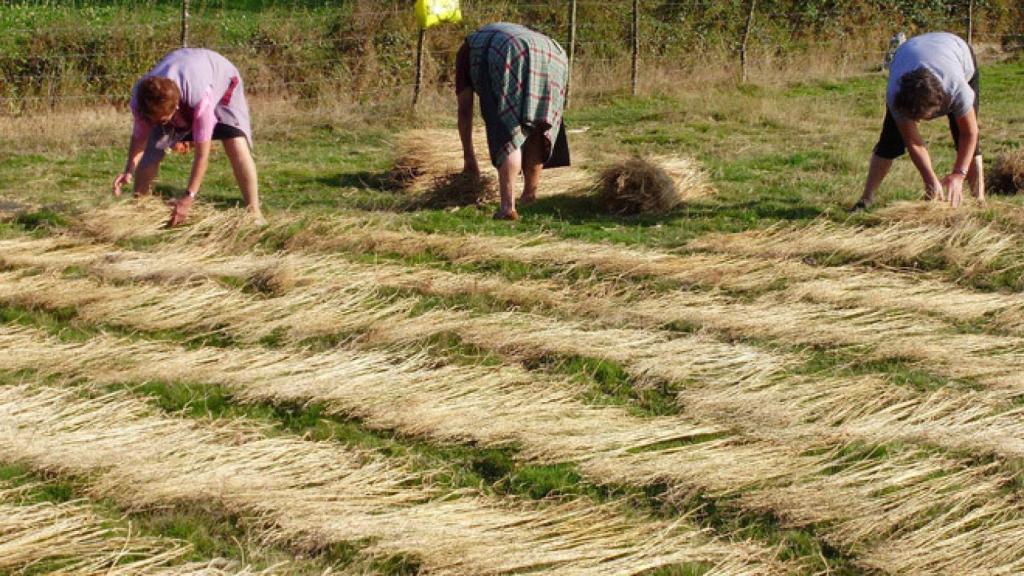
x=192, y=95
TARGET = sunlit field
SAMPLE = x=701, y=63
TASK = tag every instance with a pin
x=755, y=382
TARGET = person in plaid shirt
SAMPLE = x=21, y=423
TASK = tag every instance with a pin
x=520, y=76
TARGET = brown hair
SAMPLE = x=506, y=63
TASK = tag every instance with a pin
x=157, y=98
x=920, y=95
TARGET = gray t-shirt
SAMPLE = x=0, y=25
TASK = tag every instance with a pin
x=943, y=54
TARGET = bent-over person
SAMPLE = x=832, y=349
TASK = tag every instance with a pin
x=931, y=75
x=192, y=95
x=520, y=76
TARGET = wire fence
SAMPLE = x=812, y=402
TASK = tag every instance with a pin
x=80, y=53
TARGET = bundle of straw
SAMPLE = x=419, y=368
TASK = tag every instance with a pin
x=651, y=185
x=428, y=167
x=1007, y=173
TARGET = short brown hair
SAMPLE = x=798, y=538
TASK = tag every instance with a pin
x=920, y=95
x=157, y=98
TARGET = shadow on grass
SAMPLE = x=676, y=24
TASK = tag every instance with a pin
x=585, y=209
x=363, y=180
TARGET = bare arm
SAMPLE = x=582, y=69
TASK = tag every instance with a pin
x=183, y=205
x=919, y=155
x=135, y=150
x=465, y=98
x=199, y=163
x=965, y=147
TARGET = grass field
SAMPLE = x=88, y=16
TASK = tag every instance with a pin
x=756, y=383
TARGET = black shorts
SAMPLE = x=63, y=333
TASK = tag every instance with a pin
x=155, y=151
x=890, y=144
x=220, y=132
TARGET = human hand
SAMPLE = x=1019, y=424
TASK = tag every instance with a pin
x=179, y=211
x=121, y=181
x=934, y=192
x=954, y=184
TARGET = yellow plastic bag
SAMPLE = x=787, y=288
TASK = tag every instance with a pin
x=433, y=12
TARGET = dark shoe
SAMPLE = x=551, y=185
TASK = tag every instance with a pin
x=860, y=206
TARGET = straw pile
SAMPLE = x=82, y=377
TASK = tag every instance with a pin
x=428, y=167
x=275, y=279
x=651, y=185
x=1007, y=173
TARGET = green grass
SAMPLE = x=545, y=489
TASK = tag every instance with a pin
x=492, y=471
x=209, y=533
x=777, y=154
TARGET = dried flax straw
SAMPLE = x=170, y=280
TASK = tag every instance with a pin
x=71, y=539
x=399, y=390
x=316, y=492
x=205, y=308
x=868, y=410
x=720, y=467
x=766, y=475
x=994, y=359
x=794, y=322
x=841, y=284
x=325, y=310
x=654, y=185
x=645, y=354
x=852, y=491
x=799, y=323
x=968, y=246
x=428, y=160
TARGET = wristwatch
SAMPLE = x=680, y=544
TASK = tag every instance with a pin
x=960, y=172
x=191, y=194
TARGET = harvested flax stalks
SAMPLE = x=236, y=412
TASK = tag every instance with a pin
x=1007, y=173
x=428, y=167
x=457, y=189
x=321, y=493
x=274, y=279
x=70, y=538
x=651, y=185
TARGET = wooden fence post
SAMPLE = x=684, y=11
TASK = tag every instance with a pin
x=571, y=47
x=970, y=22
x=184, y=23
x=636, y=47
x=420, y=45
x=746, y=38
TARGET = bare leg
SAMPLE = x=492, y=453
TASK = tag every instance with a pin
x=145, y=175
x=877, y=171
x=533, y=164
x=976, y=178
x=508, y=173
x=244, y=168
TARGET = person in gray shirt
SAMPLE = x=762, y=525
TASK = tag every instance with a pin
x=931, y=75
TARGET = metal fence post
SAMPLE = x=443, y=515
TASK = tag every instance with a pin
x=636, y=47
x=184, y=23
x=420, y=46
x=571, y=47
x=746, y=38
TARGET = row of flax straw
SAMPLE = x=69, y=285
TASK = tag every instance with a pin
x=899, y=478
